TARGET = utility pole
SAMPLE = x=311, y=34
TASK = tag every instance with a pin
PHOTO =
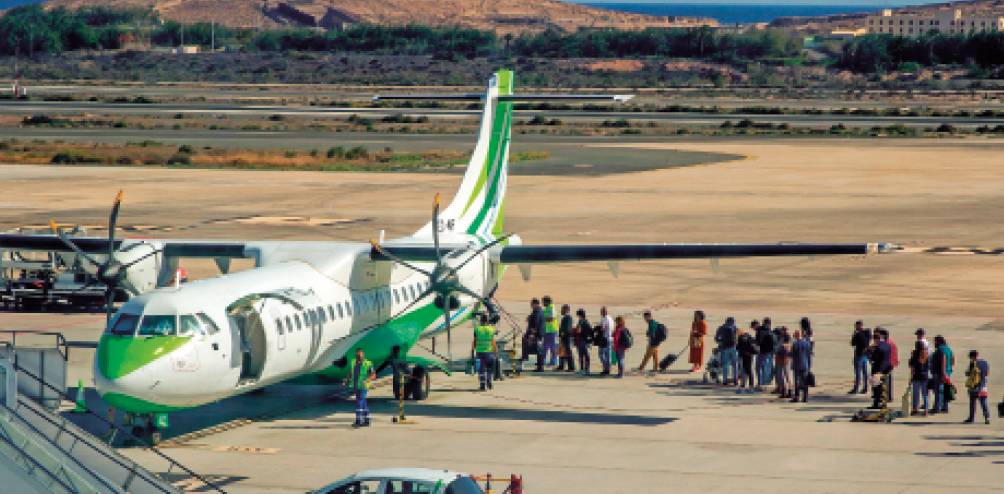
x=213, y=36
x=17, y=42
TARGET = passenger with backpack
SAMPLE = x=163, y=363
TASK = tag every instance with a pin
x=726, y=339
x=782, y=372
x=765, y=357
x=583, y=336
x=746, y=347
x=698, y=330
x=976, y=383
x=622, y=342
x=801, y=366
x=656, y=335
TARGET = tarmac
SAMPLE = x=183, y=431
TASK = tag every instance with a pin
x=644, y=433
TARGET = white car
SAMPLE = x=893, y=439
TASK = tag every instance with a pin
x=405, y=481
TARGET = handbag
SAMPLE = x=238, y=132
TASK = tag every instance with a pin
x=810, y=379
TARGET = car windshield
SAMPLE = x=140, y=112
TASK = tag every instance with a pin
x=157, y=326
x=463, y=485
x=125, y=325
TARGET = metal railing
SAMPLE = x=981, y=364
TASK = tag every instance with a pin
x=54, y=443
x=35, y=465
x=68, y=427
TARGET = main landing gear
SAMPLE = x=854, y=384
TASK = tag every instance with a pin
x=416, y=380
x=147, y=427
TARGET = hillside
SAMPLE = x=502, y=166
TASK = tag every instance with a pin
x=500, y=15
x=852, y=21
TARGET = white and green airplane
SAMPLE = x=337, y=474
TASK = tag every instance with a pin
x=305, y=307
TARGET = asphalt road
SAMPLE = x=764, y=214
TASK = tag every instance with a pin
x=254, y=92
x=681, y=119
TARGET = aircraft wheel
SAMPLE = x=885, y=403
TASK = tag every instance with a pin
x=397, y=382
x=420, y=391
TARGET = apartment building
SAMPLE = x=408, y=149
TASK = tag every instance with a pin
x=944, y=21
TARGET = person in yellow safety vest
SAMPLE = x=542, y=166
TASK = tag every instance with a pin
x=484, y=347
x=360, y=374
x=550, y=333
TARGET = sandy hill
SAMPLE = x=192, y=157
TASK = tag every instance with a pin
x=500, y=15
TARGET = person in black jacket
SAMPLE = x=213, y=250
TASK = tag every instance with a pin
x=764, y=359
x=861, y=339
x=880, y=354
x=747, y=348
x=534, y=328
x=583, y=336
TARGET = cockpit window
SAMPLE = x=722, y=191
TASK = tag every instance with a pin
x=158, y=326
x=125, y=325
x=208, y=324
x=188, y=325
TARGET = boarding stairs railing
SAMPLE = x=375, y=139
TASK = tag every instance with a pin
x=74, y=455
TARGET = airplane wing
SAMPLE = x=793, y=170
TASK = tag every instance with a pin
x=95, y=245
x=538, y=254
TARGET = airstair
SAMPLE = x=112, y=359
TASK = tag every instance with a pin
x=43, y=452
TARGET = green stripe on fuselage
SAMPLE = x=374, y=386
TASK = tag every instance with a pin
x=119, y=356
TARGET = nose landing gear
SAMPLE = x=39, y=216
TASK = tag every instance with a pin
x=147, y=427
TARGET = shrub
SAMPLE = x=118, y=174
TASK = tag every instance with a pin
x=314, y=153
x=290, y=154
x=73, y=157
x=946, y=128
x=357, y=152
x=180, y=159
x=336, y=152
x=186, y=149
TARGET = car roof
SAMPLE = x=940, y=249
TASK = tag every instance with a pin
x=408, y=473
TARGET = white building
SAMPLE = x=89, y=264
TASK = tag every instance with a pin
x=944, y=21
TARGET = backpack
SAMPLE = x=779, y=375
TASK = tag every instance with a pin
x=598, y=339
x=625, y=340
x=661, y=333
x=728, y=337
x=765, y=342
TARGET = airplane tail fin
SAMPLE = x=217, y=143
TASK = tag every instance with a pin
x=478, y=208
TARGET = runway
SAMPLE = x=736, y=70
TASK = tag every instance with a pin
x=582, y=117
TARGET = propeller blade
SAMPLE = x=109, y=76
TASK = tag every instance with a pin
x=112, y=219
x=435, y=231
x=109, y=303
x=137, y=261
x=470, y=293
x=71, y=245
x=482, y=249
x=398, y=260
x=446, y=312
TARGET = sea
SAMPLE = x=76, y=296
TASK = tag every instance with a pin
x=735, y=14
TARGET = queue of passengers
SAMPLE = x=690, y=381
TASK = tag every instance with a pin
x=754, y=360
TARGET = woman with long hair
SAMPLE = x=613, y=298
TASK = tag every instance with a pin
x=698, y=329
x=782, y=366
x=807, y=335
x=919, y=375
x=618, y=347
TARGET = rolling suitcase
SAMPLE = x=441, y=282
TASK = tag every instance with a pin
x=671, y=359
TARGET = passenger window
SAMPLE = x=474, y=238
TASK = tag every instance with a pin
x=207, y=324
x=408, y=486
x=311, y=318
x=324, y=315
x=289, y=324
x=296, y=317
x=358, y=487
x=158, y=326
x=125, y=325
x=331, y=312
x=278, y=326
x=413, y=294
x=397, y=299
x=372, y=301
x=188, y=325
x=340, y=313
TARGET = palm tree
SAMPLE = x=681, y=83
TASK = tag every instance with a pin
x=703, y=34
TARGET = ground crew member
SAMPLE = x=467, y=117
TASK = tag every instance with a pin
x=484, y=347
x=550, y=333
x=360, y=374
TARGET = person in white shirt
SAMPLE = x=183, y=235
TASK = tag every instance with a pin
x=607, y=324
x=927, y=345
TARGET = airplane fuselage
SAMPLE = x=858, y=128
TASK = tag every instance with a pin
x=309, y=305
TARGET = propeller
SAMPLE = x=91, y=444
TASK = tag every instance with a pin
x=111, y=272
x=444, y=280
